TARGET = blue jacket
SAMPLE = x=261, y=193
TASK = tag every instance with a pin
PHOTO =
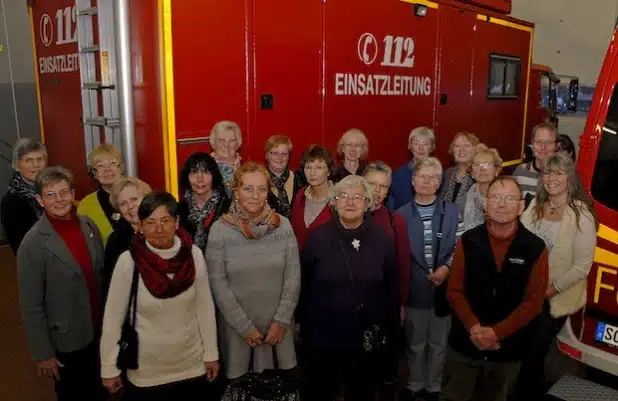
x=422, y=291
x=401, y=187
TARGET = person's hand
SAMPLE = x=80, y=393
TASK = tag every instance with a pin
x=112, y=385
x=275, y=334
x=49, y=368
x=485, y=339
x=439, y=275
x=212, y=370
x=551, y=292
x=254, y=338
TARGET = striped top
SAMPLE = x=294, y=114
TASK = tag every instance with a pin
x=426, y=212
x=527, y=179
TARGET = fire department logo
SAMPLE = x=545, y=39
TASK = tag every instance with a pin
x=367, y=48
x=46, y=28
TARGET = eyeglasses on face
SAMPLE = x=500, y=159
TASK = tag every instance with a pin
x=554, y=174
x=57, y=195
x=356, y=198
x=509, y=199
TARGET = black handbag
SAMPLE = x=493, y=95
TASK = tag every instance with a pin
x=129, y=343
x=270, y=385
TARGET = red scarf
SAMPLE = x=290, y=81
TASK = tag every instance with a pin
x=154, y=269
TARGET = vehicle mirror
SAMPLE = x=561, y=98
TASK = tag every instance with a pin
x=573, y=93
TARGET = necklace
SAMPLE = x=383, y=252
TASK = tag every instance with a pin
x=555, y=209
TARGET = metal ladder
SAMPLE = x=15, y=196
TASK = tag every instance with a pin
x=98, y=85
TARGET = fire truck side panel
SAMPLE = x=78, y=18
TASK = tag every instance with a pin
x=498, y=122
x=501, y=6
x=57, y=63
x=454, y=112
x=211, y=79
x=147, y=92
x=380, y=73
x=288, y=74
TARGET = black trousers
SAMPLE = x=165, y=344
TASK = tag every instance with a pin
x=187, y=390
x=80, y=376
x=531, y=383
x=328, y=370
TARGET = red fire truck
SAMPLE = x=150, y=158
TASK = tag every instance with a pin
x=154, y=77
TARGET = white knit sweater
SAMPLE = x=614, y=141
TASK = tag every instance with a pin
x=176, y=335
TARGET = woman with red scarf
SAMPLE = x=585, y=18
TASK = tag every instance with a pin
x=175, y=315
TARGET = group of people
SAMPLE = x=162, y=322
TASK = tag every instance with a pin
x=328, y=263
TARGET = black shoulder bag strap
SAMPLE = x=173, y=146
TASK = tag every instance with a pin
x=439, y=237
x=132, y=311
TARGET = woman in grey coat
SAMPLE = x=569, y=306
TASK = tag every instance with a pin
x=254, y=269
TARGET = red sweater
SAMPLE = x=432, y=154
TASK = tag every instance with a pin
x=71, y=233
x=404, y=264
x=297, y=218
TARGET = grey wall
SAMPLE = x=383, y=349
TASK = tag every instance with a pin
x=570, y=36
x=18, y=103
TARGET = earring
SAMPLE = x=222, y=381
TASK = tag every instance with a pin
x=236, y=200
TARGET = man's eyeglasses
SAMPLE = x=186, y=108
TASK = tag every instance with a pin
x=510, y=199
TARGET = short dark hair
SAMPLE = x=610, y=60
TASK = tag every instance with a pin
x=52, y=175
x=506, y=178
x=314, y=153
x=154, y=200
x=200, y=161
x=565, y=144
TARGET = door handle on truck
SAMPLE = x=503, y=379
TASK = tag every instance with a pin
x=443, y=99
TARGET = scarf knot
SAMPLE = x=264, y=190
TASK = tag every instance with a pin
x=252, y=227
x=22, y=188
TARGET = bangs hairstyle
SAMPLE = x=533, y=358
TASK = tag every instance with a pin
x=277, y=140
x=350, y=134
x=200, y=161
x=52, y=175
x=125, y=182
x=577, y=198
x=250, y=167
x=483, y=150
x=430, y=162
x=352, y=181
x=106, y=149
x=423, y=132
x=317, y=153
x=473, y=139
x=24, y=146
x=153, y=201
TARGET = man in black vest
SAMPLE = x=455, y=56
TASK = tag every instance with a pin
x=497, y=284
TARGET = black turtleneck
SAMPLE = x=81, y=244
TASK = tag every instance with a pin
x=350, y=281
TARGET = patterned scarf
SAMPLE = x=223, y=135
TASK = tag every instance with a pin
x=20, y=187
x=154, y=269
x=202, y=217
x=466, y=182
x=282, y=195
x=227, y=171
x=252, y=227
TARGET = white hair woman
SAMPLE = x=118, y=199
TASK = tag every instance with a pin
x=225, y=140
x=353, y=147
x=351, y=282
x=421, y=142
x=486, y=166
x=561, y=214
x=457, y=179
x=19, y=208
x=435, y=222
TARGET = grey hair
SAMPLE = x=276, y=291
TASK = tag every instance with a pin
x=430, y=162
x=352, y=181
x=379, y=167
x=424, y=132
x=51, y=175
x=24, y=146
x=222, y=126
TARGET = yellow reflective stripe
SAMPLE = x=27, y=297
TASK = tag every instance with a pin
x=502, y=22
x=512, y=162
x=167, y=97
x=605, y=257
x=608, y=234
x=429, y=4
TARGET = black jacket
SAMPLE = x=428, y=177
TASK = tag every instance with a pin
x=493, y=295
x=18, y=217
x=117, y=243
x=348, y=288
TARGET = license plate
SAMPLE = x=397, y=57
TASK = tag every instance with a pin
x=606, y=333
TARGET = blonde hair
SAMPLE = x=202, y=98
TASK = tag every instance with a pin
x=277, y=140
x=249, y=167
x=473, y=139
x=430, y=162
x=123, y=183
x=105, y=149
x=378, y=167
x=222, y=126
x=352, y=181
x=353, y=133
x=424, y=132
x=483, y=150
